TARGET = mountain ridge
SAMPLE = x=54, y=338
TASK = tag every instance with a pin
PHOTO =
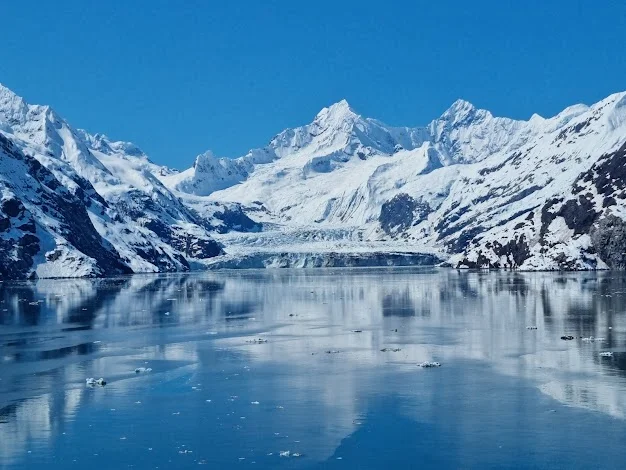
x=468, y=188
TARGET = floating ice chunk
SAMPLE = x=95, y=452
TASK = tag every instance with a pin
x=591, y=339
x=93, y=382
x=167, y=314
x=285, y=453
x=427, y=364
x=606, y=354
x=140, y=370
x=254, y=403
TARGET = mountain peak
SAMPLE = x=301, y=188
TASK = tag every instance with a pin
x=341, y=105
x=459, y=109
x=7, y=92
x=337, y=112
x=12, y=106
x=203, y=159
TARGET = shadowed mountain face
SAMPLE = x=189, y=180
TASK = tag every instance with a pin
x=366, y=402
x=345, y=190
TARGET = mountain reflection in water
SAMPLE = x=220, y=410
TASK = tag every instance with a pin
x=194, y=332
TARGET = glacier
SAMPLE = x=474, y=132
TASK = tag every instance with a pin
x=468, y=190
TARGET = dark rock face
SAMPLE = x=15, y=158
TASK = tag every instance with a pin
x=609, y=239
x=17, y=252
x=608, y=174
x=515, y=252
x=401, y=212
x=234, y=218
x=579, y=214
x=36, y=187
x=190, y=245
x=194, y=246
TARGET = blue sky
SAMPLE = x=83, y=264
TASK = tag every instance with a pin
x=178, y=78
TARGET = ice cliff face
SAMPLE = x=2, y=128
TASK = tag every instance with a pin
x=468, y=188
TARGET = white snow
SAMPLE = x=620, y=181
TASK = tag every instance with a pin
x=319, y=188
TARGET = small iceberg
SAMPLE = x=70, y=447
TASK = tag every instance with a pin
x=140, y=370
x=606, y=354
x=428, y=364
x=91, y=382
x=591, y=339
x=285, y=453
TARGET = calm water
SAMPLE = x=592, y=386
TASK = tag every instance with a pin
x=505, y=396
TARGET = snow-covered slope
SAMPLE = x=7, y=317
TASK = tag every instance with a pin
x=468, y=188
x=127, y=206
x=44, y=228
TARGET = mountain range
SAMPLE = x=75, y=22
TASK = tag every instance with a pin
x=469, y=190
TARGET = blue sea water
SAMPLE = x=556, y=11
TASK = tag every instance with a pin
x=316, y=388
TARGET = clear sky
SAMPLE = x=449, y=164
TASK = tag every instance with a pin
x=181, y=77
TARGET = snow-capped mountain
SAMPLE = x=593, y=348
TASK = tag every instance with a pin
x=143, y=225
x=469, y=188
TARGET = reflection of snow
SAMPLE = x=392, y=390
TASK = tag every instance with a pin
x=450, y=316
x=30, y=421
x=442, y=316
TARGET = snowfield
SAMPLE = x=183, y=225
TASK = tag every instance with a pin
x=469, y=189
